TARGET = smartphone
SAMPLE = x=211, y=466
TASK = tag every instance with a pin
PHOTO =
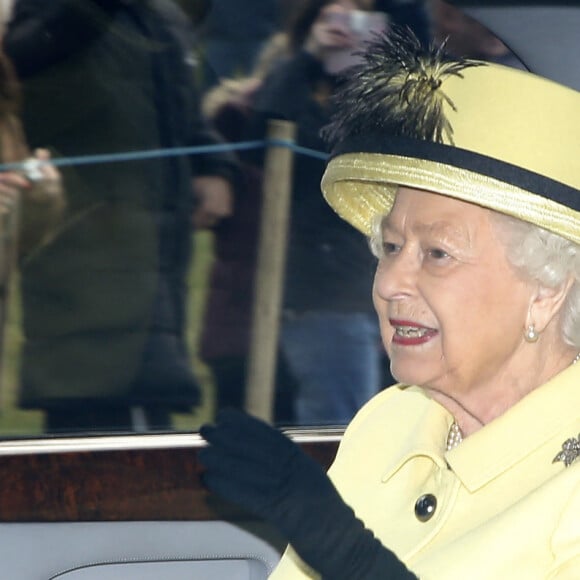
x=32, y=169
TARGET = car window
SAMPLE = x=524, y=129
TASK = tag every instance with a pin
x=165, y=249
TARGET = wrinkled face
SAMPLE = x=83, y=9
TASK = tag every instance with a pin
x=452, y=310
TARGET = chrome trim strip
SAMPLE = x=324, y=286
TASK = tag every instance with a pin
x=99, y=443
x=314, y=436
x=140, y=442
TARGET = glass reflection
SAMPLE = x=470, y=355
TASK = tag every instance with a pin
x=129, y=267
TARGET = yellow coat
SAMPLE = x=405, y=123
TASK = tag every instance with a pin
x=504, y=509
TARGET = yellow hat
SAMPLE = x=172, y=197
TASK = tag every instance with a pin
x=483, y=133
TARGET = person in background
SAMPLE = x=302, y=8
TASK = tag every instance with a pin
x=470, y=466
x=328, y=334
x=104, y=303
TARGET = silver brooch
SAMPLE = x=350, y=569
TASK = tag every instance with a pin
x=570, y=451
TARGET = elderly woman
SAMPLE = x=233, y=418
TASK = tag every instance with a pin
x=465, y=175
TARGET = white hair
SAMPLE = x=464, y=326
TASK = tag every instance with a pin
x=538, y=255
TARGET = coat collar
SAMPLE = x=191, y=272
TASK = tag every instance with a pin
x=427, y=425
x=544, y=418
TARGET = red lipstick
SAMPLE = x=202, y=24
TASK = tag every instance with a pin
x=408, y=333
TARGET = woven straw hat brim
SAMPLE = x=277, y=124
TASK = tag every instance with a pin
x=515, y=150
x=362, y=186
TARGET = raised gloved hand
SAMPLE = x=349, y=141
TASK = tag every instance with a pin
x=260, y=469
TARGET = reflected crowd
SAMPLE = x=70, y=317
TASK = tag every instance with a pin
x=128, y=280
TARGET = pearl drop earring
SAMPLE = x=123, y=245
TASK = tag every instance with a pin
x=531, y=335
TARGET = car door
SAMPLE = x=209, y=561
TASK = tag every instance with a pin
x=128, y=507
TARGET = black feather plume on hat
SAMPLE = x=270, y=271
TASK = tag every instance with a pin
x=395, y=91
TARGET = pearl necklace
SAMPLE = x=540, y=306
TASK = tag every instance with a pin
x=455, y=436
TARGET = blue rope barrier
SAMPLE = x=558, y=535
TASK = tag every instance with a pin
x=298, y=149
x=174, y=152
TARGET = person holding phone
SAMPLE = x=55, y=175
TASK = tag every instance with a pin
x=329, y=337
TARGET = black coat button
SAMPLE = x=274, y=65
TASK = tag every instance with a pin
x=425, y=507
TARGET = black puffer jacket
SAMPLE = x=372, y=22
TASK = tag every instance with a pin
x=104, y=303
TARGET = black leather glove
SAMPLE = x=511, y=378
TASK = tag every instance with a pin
x=260, y=469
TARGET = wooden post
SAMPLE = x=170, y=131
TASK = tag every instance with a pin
x=269, y=283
